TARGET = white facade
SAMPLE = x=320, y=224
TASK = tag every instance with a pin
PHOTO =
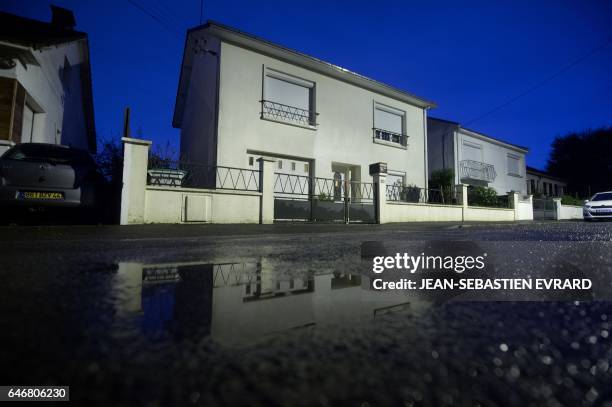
x=230, y=108
x=52, y=79
x=476, y=159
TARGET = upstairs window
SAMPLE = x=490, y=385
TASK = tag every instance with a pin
x=289, y=99
x=513, y=165
x=389, y=125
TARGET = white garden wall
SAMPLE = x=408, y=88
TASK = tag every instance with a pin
x=568, y=212
x=396, y=212
x=185, y=205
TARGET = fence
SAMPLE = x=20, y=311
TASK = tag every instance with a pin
x=413, y=194
x=193, y=175
x=182, y=191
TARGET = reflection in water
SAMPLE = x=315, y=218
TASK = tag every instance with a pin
x=234, y=302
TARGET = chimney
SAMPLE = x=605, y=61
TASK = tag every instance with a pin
x=62, y=18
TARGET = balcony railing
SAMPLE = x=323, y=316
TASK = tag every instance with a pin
x=475, y=170
x=290, y=114
x=386, y=135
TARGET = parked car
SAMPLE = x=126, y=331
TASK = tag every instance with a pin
x=49, y=175
x=598, y=207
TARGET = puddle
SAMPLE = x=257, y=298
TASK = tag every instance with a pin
x=236, y=303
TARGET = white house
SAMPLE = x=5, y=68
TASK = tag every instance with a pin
x=241, y=97
x=45, y=82
x=542, y=183
x=475, y=158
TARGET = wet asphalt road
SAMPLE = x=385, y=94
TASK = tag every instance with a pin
x=284, y=315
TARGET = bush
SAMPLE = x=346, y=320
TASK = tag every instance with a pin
x=570, y=200
x=323, y=197
x=486, y=196
x=442, y=178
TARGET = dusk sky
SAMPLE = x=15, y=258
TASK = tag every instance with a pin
x=467, y=57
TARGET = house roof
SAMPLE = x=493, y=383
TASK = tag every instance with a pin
x=19, y=35
x=482, y=135
x=33, y=33
x=535, y=171
x=263, y=46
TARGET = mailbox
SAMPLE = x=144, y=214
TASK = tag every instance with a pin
x=378, y=168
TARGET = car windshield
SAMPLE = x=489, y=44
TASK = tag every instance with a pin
x=47, y=153
x=604, y=196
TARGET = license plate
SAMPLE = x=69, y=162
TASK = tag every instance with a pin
x=603, y=210
x=34, y=195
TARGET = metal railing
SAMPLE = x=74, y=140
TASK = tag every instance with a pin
x=324, y=189
x=390, y=136
x=414, y=194
x=476, y=170
x=192, y=175
x=291, y=114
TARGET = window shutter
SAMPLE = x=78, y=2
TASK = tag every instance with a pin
x=385, y=120
x=287, y=93
x=513, y=165
x=471, y=152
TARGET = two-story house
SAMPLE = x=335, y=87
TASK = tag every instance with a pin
x=45, y=82
x=241, y=97
x=475, y=158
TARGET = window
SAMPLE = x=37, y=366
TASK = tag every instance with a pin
x=389, y=124
x=513, y=165
x=545, y=188
x=306, y=168
x=288, y=99
x=556, y=190
x=532, y=190
x=280, y=164
x=250, y=161
x=292, y=165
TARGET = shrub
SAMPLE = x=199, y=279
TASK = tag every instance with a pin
x=325, y=197
x=486, y=196
x=442, y=178
x=570, y=200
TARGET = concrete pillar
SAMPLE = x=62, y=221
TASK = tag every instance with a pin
x=380, y=196
x=462, y=198
x=135, y=165
x=513, y=198
x=266, y=186
x=557, y=202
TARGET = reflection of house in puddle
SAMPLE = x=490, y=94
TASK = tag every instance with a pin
x=237, y=301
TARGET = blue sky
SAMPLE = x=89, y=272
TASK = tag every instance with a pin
x=468, y=57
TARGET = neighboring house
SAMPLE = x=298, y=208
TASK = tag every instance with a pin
x=542, y=183
x=45, y=82
x=241, y=97
x=475, y=158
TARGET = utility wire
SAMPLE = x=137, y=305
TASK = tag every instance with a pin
x=164, y=23
x=542, y=82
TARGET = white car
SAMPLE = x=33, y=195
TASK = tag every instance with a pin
x=598, y=207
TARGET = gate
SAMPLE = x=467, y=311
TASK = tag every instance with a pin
x=544, y=208
x=299, y=198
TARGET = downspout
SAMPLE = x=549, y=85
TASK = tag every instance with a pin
x=425, y=147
